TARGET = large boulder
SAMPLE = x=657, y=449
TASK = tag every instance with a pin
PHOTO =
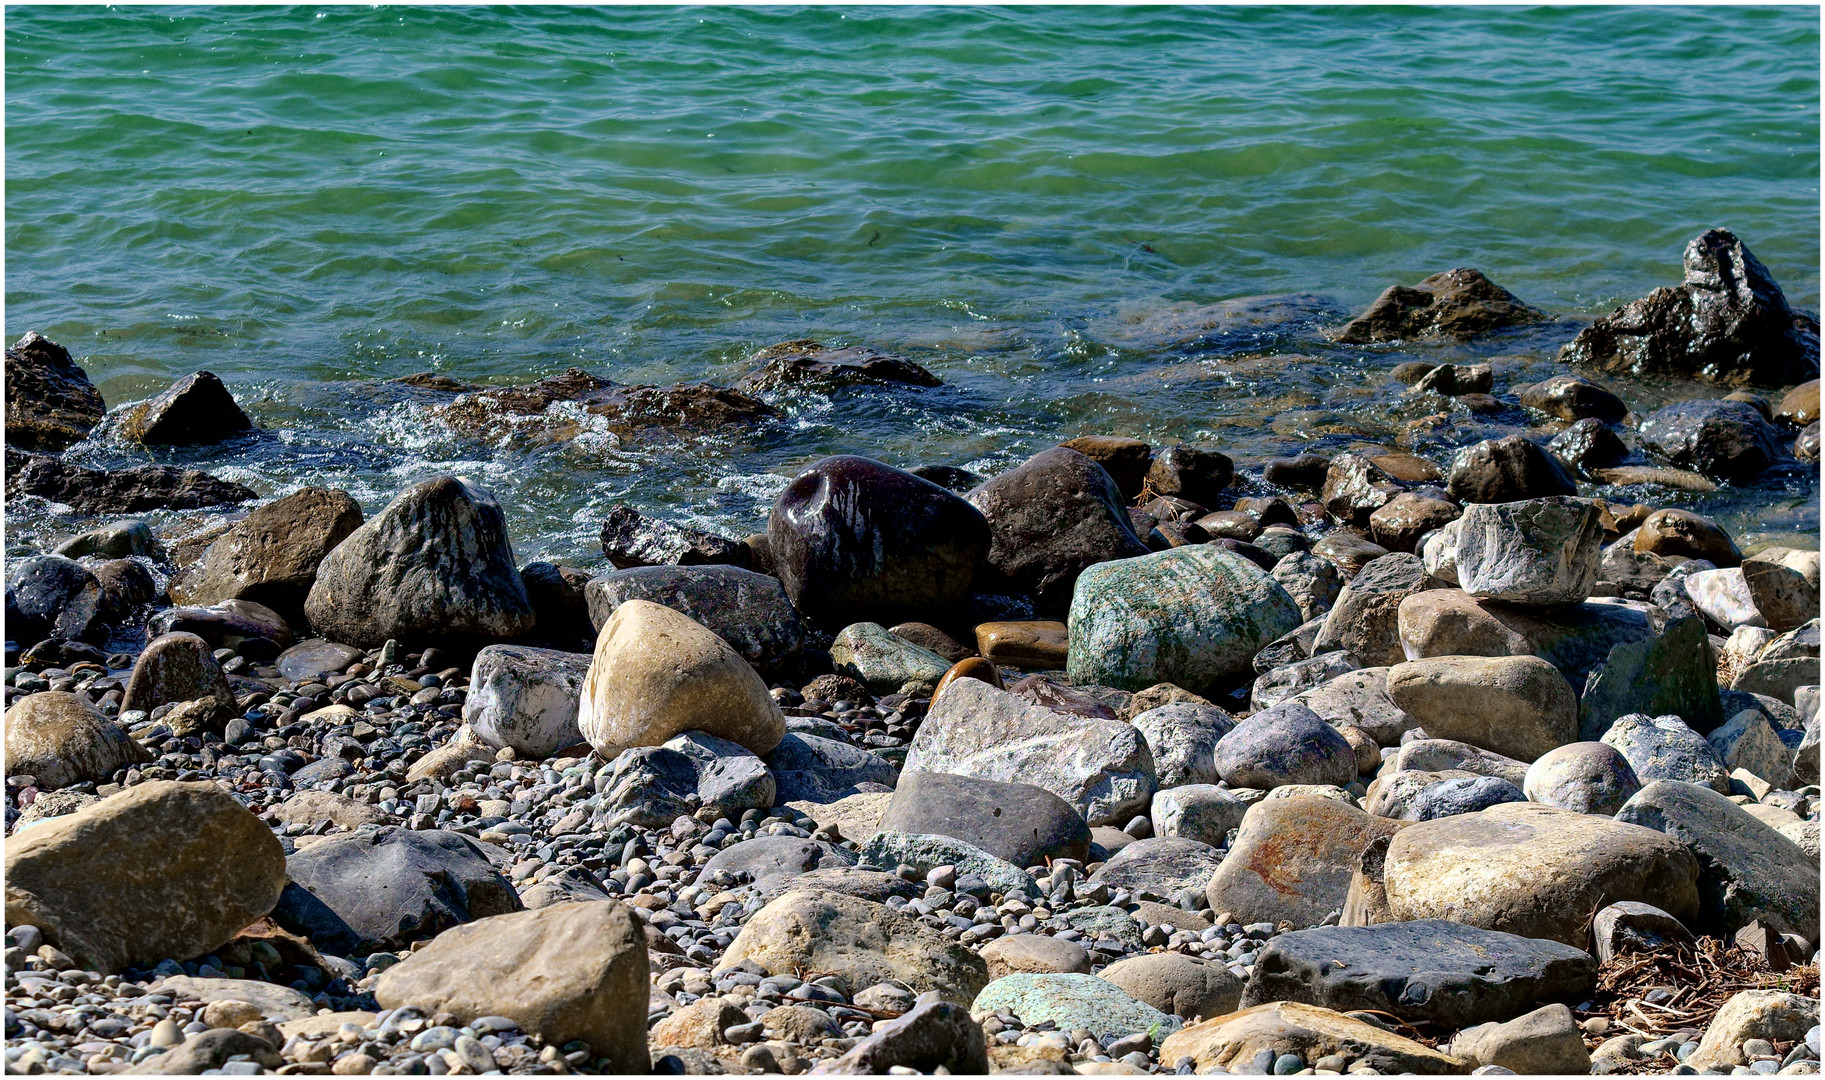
x=1359, y=699
x=1103, y=768
x=1666, y=748
x=1540, y=552
x=1589, y=777
x=1746, y=870
x=564, y=972
x=1019, y=823
x=1517, y=706
x=1364, y=622
x=435, y=564
x=60, y=739
x=1575, y=638
x=862, y=941
x=1293, y=859
x=1724, y=440
x=1050, y=518
x=1287, y=744
x=1533, y=870
x=855, y=540
x=1192, y=616
x=750, y=611
x=271, y=556
x=1756, y=1014
x=1727, y=322
x=50, y=402
x=1573, y=397
x=51, y=596
x=1545, y=1042
x=526, y=698
x=656, y=673
x=887, y=850
x=173, y=668
x=1673, y=672
x=194, y=410
x=160, y=871
x=1074, y=1002
x=253, y=630
x=361, y=891
x=1437, y=755
x=1425, y=970
x=1202, y=812
x=1454, y=305
x=1235, y=1041
x=810, y=768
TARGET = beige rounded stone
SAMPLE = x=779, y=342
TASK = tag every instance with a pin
x=1293, y=859
x=61, y=739
x=656, y=673
x=1289, y=1027
x=1034, y=954
x=1178, y=984
x=1753, y=1014
x=1517, y=706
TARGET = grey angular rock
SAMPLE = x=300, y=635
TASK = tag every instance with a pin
x=767, y=860
x=1423, y=970
x=1672, y=672
x=1103, y=768
x=1359, y=699
x=50, y=401
x=1183, y=738
x=823, y=770
x=1465, y=795
x=1288, y=681
x=1020, y=823
x=1664, y=748
x=526, y=698
x=435, y=564
x=1312, y=582
x=1541, y=552
x=1749, y=741
x=1288, y=744
x=1161, y=865
x=1747, y=870
x=1364, y=622
x=1202, y=812
x=1784, y=585
x=886, y=850
x=631, y=539
x=1544, y=1042
x=1435, y=755
x=271, y=556
x=194, y=410
x=931, y=1035
x=1074, y=1001
x=750, y=611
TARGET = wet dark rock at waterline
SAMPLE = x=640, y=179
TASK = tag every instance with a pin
x=809, y=363
x=1455, y=304
x=118, y=491
x=50, y=402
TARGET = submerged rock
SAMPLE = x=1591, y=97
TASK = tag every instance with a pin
x=631, y=539
x=1456, y=304
x=118, y=491
x=1722, y=440
x=810, y=363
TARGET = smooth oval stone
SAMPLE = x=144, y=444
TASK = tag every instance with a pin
x=1287, y=744
x=1019, y=823
x=973, y=668
x=1589, y=777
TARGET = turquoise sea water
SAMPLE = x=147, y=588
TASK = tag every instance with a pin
x=305, y=199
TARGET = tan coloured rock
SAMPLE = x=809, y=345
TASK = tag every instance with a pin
x=656, y=673
x=700, y=1024
x=1753, y=1014
x=271, y=555
x=1682, y=534
x=464, y=746
x=1544, y=1042
x=1288, y=1027
x=1035, y=644
x=1535, y=871
x=159, y=870
x=61, y=739
x=1178, y=984
x=315, y=807
x=1517, y=706
x=1293, y=859
x=1034, y=954
x=1784, y=586
x=569, y=971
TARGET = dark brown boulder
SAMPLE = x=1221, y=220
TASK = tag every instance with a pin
x=1574, y=397
x=1454, y=380
x=1125, y=460
x=1508, y=469
x=856, y=540
x=1728, y=322
x=118, y=491
x=50, y=402
x=1456, y=304
x=526, y=410
x=809, y=363
x=558, y=601
x=1050, y=519
x=271, y=555
x=197, y=409
x=1190, y=472
x=1589, y=445
x=1723, y=440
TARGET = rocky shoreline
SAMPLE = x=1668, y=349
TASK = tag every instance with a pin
x=1129, y=759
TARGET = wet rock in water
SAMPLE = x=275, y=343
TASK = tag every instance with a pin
x=1293, y=860
x=116, y=541
x=196, y=409
x=1400, y=523
x=548, y=409
x=1050, y=518
x=51, y=596
x=809, y=363
x=1017, y=822
x=1746, y=870
x=86, y=879
x=1683, y=534
x=1544, y=1042
x=1287, y=744
x=885, y=662
x=1201, y=812
x=435, y=564
x=1454, y=305
x=1665, y=748
x=807, y=767
x=1517, y=706
x=933, y=1034
x=1783, y=585
x=656, y=673
x=1456, y=380
x=1036, y=643
x=749, y=611
x=526, y=698
x=1722, y=440
x=358, y=892
x=1426, y=970
x=1589, y=777
x=1355, y=487
x=1302, y=472
x=118, y=491
x=1364, y=622
x=1589, y=446
x=1312, y=582
x=1183, y=739
x=1360, y=699
x=1287, y=1028
x=1532, y=870
x=1190, y=472
x=1125, y=460
x=1349, y=551
x=174, y=668
x=855, y=540
x=1728, y=322
x=1799, y=406
x=50, y=401
x=271, y=556
x=61, y=739
x=1103, y=768
x=569, y=971
x=1574, y=397
x=1192, y=616
x=863, y=942
x=1508, y=469
x=631, y=539
x=1541, y=552
x=1034, y=954
x=253, y=630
